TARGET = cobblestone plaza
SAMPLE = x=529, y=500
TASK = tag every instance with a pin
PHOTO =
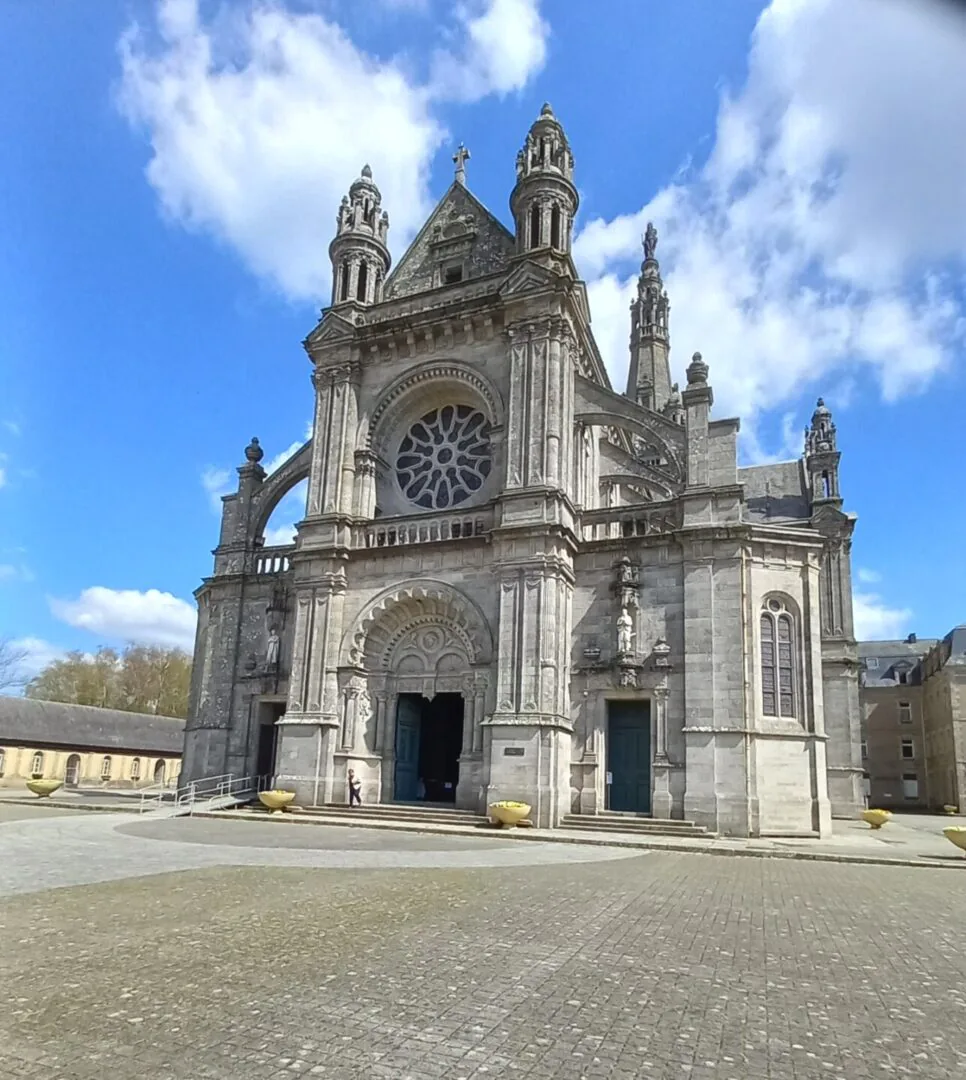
x=136, y=948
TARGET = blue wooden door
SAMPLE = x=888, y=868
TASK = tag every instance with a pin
x=629, y=755
x=408, y=721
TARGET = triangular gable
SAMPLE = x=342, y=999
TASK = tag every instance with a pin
x=459, y=231
x=525, y=277
x=332, y=327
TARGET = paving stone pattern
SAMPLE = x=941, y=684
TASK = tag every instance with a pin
x=664, y=965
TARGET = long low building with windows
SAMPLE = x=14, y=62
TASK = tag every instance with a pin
x=86, y=746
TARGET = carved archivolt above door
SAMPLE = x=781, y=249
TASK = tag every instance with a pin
x=424, y=625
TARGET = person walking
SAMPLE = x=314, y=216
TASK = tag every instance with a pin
x=355, y=789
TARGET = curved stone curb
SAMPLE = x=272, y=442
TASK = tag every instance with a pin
x=558, y=836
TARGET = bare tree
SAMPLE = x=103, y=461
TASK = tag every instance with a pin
x=12, y=657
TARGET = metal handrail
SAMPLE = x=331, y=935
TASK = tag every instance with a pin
x=207, y=790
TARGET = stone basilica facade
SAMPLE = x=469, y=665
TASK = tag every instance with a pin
x=513, y=581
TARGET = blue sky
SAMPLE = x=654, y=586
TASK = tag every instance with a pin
x=169, y=184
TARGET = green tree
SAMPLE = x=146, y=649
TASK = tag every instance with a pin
x=142, y=678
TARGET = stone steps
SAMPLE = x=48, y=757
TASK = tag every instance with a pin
x=610, y=821
x=415, y=815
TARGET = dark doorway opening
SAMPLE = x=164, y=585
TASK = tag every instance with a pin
x=629, y=755
x=268, y=713
x=429, y=738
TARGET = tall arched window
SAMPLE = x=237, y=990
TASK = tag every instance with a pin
x=106, y=769
x=780, y=682
x=37, y=765
x=362, y=282
x=2, y=759
x=136, y=768
x=344, y=284
x=535, y=237
x=555, y=229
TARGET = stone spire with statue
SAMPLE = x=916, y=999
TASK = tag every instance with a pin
x=649, y=374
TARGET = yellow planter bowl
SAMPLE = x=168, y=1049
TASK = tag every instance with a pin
x=276, y=800
x=43, y=788
x=508, y=813
x=947, y=809
x=876, y=818
x=956, y=834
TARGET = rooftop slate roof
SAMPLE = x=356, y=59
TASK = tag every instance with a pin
x=55, y=724
x=890, y=655
x=775, y=492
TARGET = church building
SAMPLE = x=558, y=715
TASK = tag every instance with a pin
x=514, y=581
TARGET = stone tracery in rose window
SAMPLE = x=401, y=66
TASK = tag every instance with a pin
x=445, y=457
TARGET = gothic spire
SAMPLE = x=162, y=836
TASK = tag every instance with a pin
x=649, y=375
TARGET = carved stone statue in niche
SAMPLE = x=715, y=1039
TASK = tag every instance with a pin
x=272, y=648
x=627, y=583
x=625, y=633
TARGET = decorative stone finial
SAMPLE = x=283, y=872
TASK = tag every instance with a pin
x=367, y=172
x=697, y=370
x=254, y=452
x=546, y=110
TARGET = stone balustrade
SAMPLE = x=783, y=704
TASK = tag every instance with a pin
x=425, y=529
x=274, y=560
x=625, y=522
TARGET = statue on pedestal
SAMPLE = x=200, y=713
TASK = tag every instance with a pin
x=271, y=649
x=625, y=633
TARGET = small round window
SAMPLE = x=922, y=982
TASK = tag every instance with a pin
x=444, y=458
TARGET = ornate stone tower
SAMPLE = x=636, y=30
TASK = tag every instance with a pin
x=544, y=200
x=822, y=458
x=649, y=376
x=839, y=651
x=360, y=258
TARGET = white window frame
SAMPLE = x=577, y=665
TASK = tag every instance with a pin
x=106, y=766
x=905, y=712
x=37, y=764
x=903, y=743
x=135, y=768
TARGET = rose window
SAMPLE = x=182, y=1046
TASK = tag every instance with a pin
x=445, y=457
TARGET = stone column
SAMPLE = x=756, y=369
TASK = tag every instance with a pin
x=661, y=766
x=349, y=720
x=332, y=475
x=309, y=730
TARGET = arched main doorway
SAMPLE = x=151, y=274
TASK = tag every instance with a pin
x=72, y=772
x=428, y=747
x=424, y=648
x=159, y=772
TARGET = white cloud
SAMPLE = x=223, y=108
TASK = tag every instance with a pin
x=15, y=572
x=38, y=654
x=868, y=577
x=12, y=426
x=824, y=234
x=260, y=118
x=291, y=509
x=506, y=43
x=875, y=620
x=216, y=483
x=151, y=617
